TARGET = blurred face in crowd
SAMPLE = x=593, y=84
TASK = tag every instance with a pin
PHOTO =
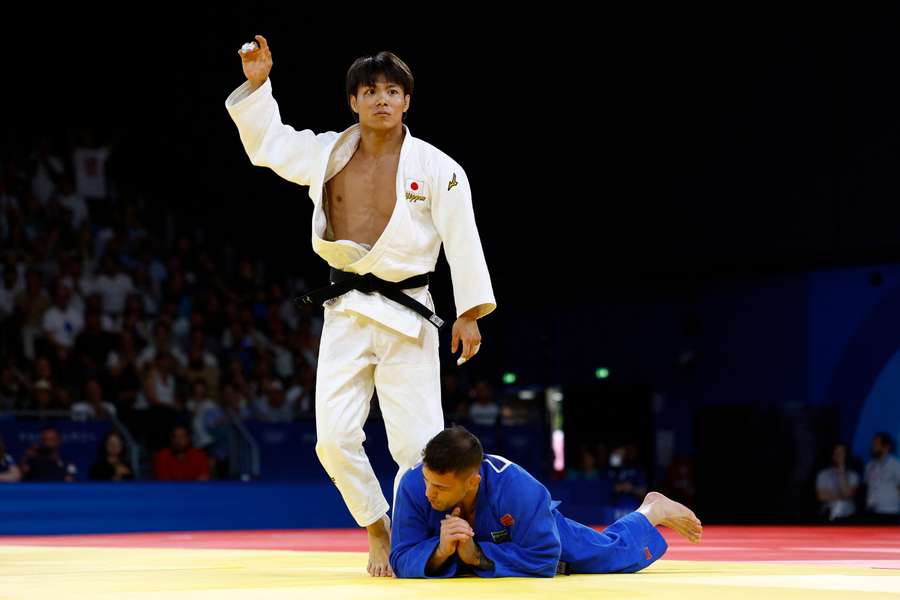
x=180, y=439
x=42, y=368
x=199, y=390
x=839, y=455
x=114, y=445
x=50, y=439
x=879, y=448
x=93, y=392
x=482, y=392
x=42, y=397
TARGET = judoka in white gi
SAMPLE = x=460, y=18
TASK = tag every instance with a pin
x=383, y=203
x=461, y=511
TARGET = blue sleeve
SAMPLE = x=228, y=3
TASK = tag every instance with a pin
x=412, y=539
x=534, y=549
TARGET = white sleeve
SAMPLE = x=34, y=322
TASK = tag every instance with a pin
x=454, y=219
x=269, y=142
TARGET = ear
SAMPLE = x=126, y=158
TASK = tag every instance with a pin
x=353, y=106
x=406, y=102
x=473, y=481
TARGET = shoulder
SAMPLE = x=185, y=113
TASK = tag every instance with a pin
x=412, y=480
x=435, y=159
x=508, y=477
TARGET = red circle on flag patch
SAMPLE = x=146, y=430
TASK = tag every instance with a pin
x=414, y=186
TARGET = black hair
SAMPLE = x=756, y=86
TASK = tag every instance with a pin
x=453, y=450
x=366, y=69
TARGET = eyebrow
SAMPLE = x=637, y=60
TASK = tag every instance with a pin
x=435, y=484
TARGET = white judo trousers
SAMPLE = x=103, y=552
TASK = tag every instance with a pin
x=358, y=355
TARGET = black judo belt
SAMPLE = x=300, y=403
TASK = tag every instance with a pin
x=342, y=282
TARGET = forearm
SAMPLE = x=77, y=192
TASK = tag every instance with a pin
x=478, y=559
x=436, y=561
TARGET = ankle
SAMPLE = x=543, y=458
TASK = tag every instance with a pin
x=651, y=514
x=379, y=527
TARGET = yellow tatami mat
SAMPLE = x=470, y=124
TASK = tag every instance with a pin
x=76, y=573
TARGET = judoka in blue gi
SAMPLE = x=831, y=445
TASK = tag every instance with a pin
x=461, y=511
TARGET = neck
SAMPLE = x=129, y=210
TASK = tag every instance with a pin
x=380, y=142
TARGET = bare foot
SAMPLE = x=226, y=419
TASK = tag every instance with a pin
x=380, y=548
x=660, y=510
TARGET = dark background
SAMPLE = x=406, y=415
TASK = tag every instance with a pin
x=622, y=157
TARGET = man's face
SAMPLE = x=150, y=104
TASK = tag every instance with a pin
x=878, y=446
x=839, y=455
x=380, y=106
x=445, y=491
x=50, y=439
x=180, y=440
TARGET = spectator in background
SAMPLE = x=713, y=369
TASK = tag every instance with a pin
x=62, y=322
x=157, y=402
x=93, y=408
x=211, y=428
x=9, y=471
x=89, y=163
x=272, y=405
x=235, y=403
x=301, y=389
x=93, y=345
x=110, y=464
x=8, y=291
x=180, y=461
x=883, y=481
x=836, y=487
x=42, y=462
x=47, y=170
x=31, y=304
x=162, y=343
x=483, y=411
x=13, y=386
x=202, y=364
x=113, y=285
x=586, y=469
x=73, y=202
x=123, y=380
x=629, y=481
x=41, y=398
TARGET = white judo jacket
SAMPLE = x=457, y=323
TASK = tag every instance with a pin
x=434, y=206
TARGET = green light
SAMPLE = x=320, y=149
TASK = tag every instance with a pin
x=509, y=378
x=601, y=373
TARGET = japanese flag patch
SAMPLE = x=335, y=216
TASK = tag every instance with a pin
x=415, y=190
